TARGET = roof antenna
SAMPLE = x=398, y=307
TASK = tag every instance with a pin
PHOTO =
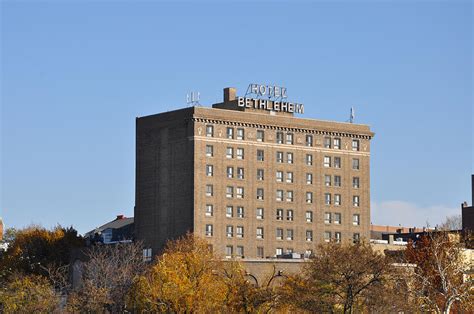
x=352, y=116
x=192, y=99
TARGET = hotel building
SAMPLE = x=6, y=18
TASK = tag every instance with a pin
x=251, y=178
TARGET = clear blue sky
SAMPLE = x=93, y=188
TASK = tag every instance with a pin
x=75, y=74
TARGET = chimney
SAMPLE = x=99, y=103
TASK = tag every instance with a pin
x=472, y=189
x=120, y=217
x=229, y=94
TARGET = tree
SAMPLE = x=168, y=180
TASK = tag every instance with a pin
x=437, y=280
x=453, y=222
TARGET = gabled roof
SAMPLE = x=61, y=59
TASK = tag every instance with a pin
x=114, y=224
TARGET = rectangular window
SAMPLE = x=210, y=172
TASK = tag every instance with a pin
x=327, y=161
x=279, y=157
x=337, y=162
x=355, y=164
x=279, y=251
x=289, y=196
x=337, y=237
x=279, y=176
x=355, y=201
x=209, y=210
x=309, y=140
x=230, y=172
x=229, y=212
x=240, y=212
x=289, y=215
x=240, y=153
x=309, y=216
x=279, y=195
x=229, y=152
x=309, y=160
x=240, y=134
x=279, y=137
x=260, y=194
x=337, y=181
x=327, y=218
x=289, y=177
x=229, y=231
x=289, y=234
x=289, y=138
x=209, y=150
x=289, y=158
x=208, y=230
x=240, y=251
x=309, y=235
x=355, y=145
x=279, y=214
x=240, y=173
x=356, y=238
x=259, y=232
x=229, y=251
x=309, y=178
x=337, y=218
x=260, y=136
x=260, y=155
x=260, y=251
x=327, y=198
x=260, y=174
x=209, y=170
x=309, y=197
x=259, y=213
x=209, y=130
x=240, y=192
x=337, y=143
x=327, y=142
x=239, y=231
x=229, y=192
x=279, y=234
x=230, y=133
x=327, y=180
x=337, y=199
x=356, y=220
x=327, y=236
x=209, y=190
x=355, y=182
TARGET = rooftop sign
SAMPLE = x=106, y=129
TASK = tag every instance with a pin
x=275, y=102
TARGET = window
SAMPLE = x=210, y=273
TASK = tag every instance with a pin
x=289, y=158
x=309, y=197
x=337, y=218
x=327, y=236
x=279, y=214
x=209, y=190
x=209, y=130
x=337, y=143
x=279, y=251
x=279, y=137
x=289, y=138
x=355, y=164
x=260, y=136
x=229, y=152
x=356, y=219
x=240, y=251
x=230, y=172
x=260, y=194
x=209, y=150
x=309, y=235
x=309, y=178
x=208, y=230
x=327, y=180
x=279, y=176
x=230, y=133
x=279, y=195
x=260, y=251
x=229, y=192
x=337, y=181
x=209, y=210
x=308, y=253
x=239, y=231
x=279, y=157
x=279, y=234
x=289, y=177
x=259, y=155
x=309, y=160
x=337, y=162
x=289, y=196
x=289, y=215
x=327, y=218
x=240, y=212
x=337, y=237
x=337, y=199
x=289, y=234
x=309, y=140
x=309, y=216
x=147, y=256
x=240, y=173
x=327, y=142
x=230, y=231
x=240, y=153
x=355, y=201
x=259, y=213
x=209, y=170
x=259, y=232
x=355, y=182
x=240, y=192
x=260, y=175
x=229, y=212
x=327, y=161
x=240, y=134
x=327, y=198
x=355, y=145
x=356, y=238
x=228, y=251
